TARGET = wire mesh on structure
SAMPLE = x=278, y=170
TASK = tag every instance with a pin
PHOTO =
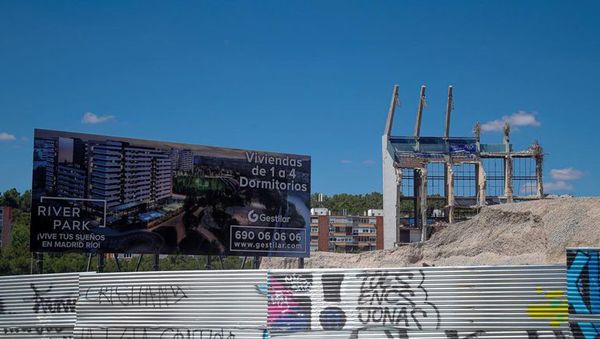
x=494, y=176
x=465, y=180
x=408, y=182
x=523, y=177
x=407, y=204
x=436, y=179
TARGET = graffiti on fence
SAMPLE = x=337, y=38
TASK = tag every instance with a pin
x=163, y=333
x=42, y=303
x=553, y=309
x=138, y=295
x=396, y=299
x=583, y=288
x=289, y=303
x=36, y=330
x=300, y=301
x=400, y=333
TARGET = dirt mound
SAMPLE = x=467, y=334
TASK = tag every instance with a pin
x=535, y=232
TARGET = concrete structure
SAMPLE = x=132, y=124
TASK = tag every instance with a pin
x=375, y=213
x=435, y=180
x=5, y=225
x=319, y=211
x=347, y=234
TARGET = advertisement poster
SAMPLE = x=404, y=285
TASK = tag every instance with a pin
x=95, y=193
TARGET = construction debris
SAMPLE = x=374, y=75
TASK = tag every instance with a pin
x=526, y=233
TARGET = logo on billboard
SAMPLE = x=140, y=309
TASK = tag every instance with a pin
x=252, y=216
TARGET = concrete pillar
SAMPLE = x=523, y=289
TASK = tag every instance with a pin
x=450, y=191
x=506, y=137
x=390, y=195
x=390, y=187
x=539, y=173
x=449, y=107
x=508, y=189
x=482, y=184
x=422, y=201
x=420, y=112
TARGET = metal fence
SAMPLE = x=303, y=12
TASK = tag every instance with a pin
x=502, y=302
x=38, y=306
x=583, y=288
x=431, y=302
x=205, y=304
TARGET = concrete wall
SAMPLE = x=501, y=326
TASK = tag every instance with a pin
x=390, y=195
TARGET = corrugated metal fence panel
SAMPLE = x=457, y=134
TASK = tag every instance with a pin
x=38, y=306
x=185, y=304
x=428, y=302
x=583, y=290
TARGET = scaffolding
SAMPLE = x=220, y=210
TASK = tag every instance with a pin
x=429, y=182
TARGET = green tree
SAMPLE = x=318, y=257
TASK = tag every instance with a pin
x=25, y=201
x=15, y=257
x=352, y=204
x=11, y=198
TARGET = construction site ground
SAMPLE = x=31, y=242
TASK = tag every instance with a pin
x=525, y=233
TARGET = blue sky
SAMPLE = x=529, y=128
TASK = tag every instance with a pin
x=308, y=77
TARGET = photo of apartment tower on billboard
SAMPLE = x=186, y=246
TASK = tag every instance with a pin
x=127, y=177
x=97, y=193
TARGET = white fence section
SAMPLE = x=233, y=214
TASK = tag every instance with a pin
x=38, y=306
x=201, y=304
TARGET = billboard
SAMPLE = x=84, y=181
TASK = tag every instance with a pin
x=95, y=193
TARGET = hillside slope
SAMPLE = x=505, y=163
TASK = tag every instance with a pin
x=535, y=232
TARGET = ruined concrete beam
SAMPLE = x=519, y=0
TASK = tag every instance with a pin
x=420, y=112
x=390, y=116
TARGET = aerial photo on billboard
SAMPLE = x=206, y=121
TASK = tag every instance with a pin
x=95, y=193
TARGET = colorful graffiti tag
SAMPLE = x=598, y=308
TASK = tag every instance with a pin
x=418, y=303
x=583, y=290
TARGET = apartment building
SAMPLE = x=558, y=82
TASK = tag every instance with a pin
x=105, y=172
x=48, y=155
x=181, y=159
x=127, y=176
x=70, y=168
x=347, y=234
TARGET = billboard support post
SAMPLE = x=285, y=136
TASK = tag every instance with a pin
x=89, y=262
x=208, y=265
x=256, y=263
x=300, y=262
x=156, y=266
x=137, y=267
x=117, y=261
x=100, y=262
x=39, y=262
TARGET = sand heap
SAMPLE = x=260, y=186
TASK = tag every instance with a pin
x=535, y=232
